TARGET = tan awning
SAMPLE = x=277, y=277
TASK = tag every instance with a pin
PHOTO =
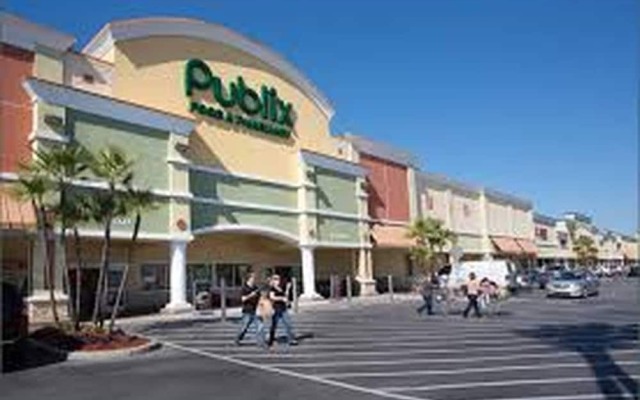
x=391, y=236
x=506, y=245
x=14, y=214
x=528, y=247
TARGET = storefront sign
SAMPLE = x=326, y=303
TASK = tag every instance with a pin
x=238, y=103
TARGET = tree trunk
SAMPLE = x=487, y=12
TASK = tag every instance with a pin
x=101, y=288
x=48, y=265
x=130, y=252
x=78, y=250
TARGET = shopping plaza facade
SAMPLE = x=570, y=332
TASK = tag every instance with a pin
x=235, y=144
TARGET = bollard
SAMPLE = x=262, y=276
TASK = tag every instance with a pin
x=332, y=287
x=390, y=286
x=223, y=300
x=348, y=283
x=294, y=282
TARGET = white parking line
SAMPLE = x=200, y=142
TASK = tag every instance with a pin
x=414, y=361
x=334, y=354
x=311, y=378
x=224, y=338
x=578, y=397
x=470, y=385
x=465, y=370
x=428, y=344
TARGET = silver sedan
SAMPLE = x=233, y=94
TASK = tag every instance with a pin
x=573, y=284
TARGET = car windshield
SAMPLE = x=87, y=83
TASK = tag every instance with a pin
x=569, y=276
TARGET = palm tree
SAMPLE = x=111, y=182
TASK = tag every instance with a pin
x=585, y=249
x=113, y=167
x=62, y=165
x=34, y=187
x=136, y=202
x=78, y=211
x=431, y=237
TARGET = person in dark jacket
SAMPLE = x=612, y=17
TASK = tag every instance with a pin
x=250, y=296
x=278, y=297
x=428, y=288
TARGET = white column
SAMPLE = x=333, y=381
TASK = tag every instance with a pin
x=178, y=278
x=365, y=273
x=308, y=274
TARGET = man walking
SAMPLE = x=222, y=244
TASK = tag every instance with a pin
x=473, y=291
x=279, y=299
x=250, y=297
x=427, y=290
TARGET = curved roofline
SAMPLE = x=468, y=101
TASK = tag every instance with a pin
x=137, y=28
x=272, y=233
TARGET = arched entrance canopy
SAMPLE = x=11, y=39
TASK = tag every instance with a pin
x=273, y=233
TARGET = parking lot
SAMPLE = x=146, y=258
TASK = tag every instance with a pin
x=536, y=349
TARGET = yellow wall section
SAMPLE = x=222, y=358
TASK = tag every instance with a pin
x=150, y=71
x=49, y=66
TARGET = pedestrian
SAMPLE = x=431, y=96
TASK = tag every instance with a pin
x=279, y=299
x=485, y=293
x=250, y=296
x=472, y=288
x=428, y=287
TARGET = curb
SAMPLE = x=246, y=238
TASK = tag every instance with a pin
x=100, y=354
x=114, y=354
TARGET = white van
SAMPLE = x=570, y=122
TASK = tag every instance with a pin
x=499, y=271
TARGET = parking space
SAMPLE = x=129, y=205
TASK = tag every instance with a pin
x=537, y=349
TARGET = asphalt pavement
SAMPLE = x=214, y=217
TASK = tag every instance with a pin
x=534, y=349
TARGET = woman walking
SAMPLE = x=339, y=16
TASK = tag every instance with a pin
x=279, y=299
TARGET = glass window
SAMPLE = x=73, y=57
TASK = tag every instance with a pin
x=153, y=276
x=115, y=276
x=233, y=274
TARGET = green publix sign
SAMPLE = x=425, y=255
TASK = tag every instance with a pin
x=264, y=112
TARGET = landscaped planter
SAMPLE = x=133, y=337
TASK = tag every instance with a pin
x=93, y=345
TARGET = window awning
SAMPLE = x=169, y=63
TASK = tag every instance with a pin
x=391, y=236
x=528, y=247
x=506, y=245
x=14, y=214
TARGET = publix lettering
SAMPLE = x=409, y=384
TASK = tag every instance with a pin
x=263, y=110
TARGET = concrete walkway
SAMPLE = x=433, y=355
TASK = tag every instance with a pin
x=139, y=322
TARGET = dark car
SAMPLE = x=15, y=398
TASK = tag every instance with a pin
x=14, y=317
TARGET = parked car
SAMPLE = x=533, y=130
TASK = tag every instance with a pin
x=14, y=314
x=573, y=284
x=548, y=274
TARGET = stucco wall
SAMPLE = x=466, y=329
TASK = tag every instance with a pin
x=388, y=189
x=15, y=107
x=151, y=71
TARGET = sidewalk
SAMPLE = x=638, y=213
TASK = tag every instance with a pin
x=140, y=322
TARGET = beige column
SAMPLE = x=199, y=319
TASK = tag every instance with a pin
x=487, y=246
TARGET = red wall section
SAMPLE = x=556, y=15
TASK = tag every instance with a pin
x=15, y=108
x=388, y=189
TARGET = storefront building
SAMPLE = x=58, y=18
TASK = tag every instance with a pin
x=235, y=145
x=488, y=224
x=392, y=203
x=233, y=141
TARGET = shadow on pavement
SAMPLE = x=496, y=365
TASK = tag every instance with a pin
x=26, y=354
x=613, y=381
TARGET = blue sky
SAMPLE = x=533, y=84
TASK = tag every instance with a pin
x=537, y=98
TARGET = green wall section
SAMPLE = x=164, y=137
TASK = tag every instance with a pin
x=209, y=215
x=146, y=147
x=221, y=187
x=335, y=192
x=337, y=230
x=155, y=220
